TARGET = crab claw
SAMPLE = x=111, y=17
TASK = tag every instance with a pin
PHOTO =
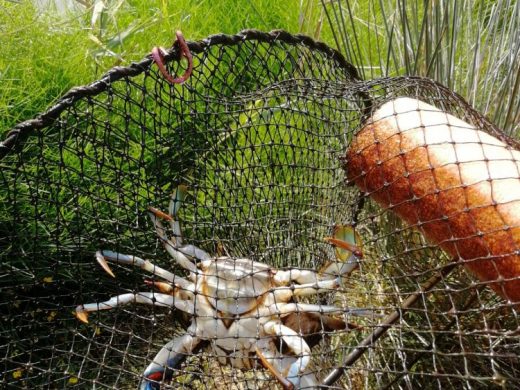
x=175, y=203
x=286, y=384
x=347, y=243
x=103, y=263
x=81, y=314
x=160, y=214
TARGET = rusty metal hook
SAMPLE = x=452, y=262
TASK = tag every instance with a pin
x=158, y=54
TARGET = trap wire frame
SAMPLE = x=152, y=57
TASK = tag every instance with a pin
x=257, y=133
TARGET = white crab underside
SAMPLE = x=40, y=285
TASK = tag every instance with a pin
x=238, y=305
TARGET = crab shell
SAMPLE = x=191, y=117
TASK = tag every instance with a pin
x=458, y=185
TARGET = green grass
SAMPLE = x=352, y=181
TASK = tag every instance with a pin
x=44, y=55
x=468, y=46
x=86, y=185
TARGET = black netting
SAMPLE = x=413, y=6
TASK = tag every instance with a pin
x=258, y=134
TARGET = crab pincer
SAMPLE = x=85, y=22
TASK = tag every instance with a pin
x=81, y=314
x=347, y=243
x=103, y=263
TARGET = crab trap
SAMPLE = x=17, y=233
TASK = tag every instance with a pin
x=273, y=221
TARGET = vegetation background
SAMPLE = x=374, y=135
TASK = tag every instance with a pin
x=472, y=46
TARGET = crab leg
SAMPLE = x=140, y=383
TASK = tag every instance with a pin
x=169, y=357
x=273, y=370
x=297, y=344
x=286, y=308
x=284, y=293
x=187, y=249
x=347, y=243
x=303, y=276
x=147, y=298
x=300, y=276
x=169, y=245
x=279, y=364
x=181, y=254
x=102, y=256
x=175, y=204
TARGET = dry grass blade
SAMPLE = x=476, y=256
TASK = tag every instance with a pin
x=470, y=46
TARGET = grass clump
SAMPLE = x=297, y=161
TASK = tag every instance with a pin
x=472, y=47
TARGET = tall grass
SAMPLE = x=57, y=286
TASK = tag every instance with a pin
x=470, y=46
x=44, y=54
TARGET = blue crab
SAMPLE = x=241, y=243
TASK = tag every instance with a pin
x=238, y=305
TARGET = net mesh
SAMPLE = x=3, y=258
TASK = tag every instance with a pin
x=258, y=134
